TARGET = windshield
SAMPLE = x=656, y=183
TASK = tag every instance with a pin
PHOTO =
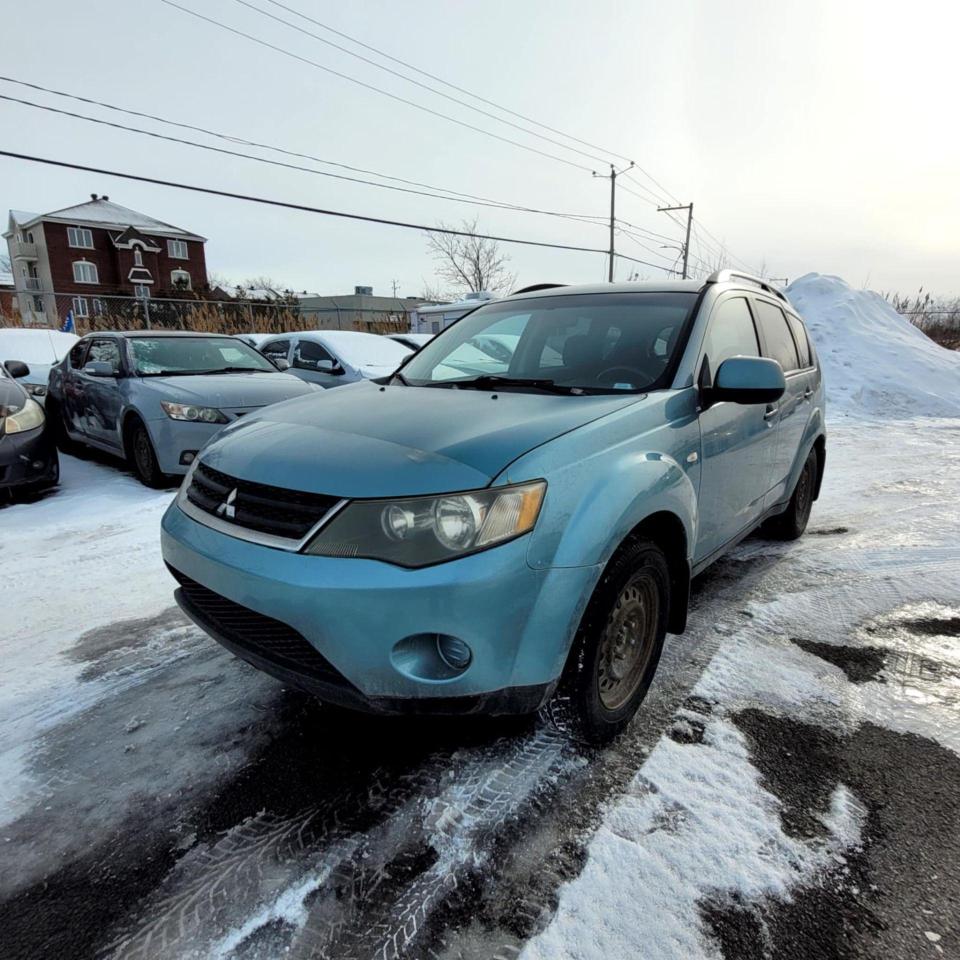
x=607, y=342
x=165, y=356
x=365, y=349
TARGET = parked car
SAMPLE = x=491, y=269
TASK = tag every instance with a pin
x=412, y=340
x=518, y=539
x=28, y=455
x=254, y=339
x=39, y=348
x=332, y=358
x=156, y=398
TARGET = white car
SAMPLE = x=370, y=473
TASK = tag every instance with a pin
x=331, y=358
x=39, y=348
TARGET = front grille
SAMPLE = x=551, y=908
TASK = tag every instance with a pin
x=270, y=639
x=257, y=506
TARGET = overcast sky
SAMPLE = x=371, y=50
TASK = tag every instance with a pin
x=819, y=135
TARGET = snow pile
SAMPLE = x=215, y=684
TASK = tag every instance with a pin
x=875, y=362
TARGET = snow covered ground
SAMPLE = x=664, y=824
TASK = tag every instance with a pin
x=791, y=787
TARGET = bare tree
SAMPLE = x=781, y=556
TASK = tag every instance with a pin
x=470, y=263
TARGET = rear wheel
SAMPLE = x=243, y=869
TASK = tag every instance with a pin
x=617, y=648
x=141, y=456
x=790, y=524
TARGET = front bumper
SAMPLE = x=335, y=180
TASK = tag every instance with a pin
x=353, y=613
x=28, y=459
x=172, y=438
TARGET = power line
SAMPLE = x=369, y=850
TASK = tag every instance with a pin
x=446, y=83
x=291, y=166
x=418, y=83
x=375, y=89
x=423, y=228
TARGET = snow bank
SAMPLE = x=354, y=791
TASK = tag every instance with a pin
x=875, y=362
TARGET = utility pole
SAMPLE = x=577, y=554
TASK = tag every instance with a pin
x=686, y=244
x=396, y=284
x=613, y=174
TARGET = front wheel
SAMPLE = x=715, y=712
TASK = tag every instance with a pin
x=142, y=457
x=617, y=648
x=790, y=524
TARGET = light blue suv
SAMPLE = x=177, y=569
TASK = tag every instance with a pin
x=518, y=537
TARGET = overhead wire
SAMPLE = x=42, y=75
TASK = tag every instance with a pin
x=212, y=191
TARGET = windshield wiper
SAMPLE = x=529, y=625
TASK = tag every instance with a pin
x=493, y=381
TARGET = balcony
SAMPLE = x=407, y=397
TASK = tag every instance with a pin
x=24, y=250
x=33, y=284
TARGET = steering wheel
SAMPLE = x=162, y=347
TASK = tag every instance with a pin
x=634, y=374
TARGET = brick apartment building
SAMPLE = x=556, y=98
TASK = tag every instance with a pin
x=78, y=257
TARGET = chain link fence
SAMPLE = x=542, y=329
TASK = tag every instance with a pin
x=101, y=313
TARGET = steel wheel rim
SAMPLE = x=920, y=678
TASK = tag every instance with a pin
x=627, y=642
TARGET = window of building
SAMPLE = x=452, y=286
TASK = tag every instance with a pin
x=80, y=307
x=99, y=307
x=180, y=279
x=177, y=249
x=137, y=257
x=85, y=272
x=38, y=304
x=777, y=336
x=80, y=237
x=141, y=290
x=731, y=334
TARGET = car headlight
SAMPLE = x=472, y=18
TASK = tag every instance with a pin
x=35, y=389
x=187, y=411
x=28, y=417
x=419, y=531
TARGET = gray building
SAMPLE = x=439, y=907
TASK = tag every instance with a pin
x=434, y=318
x=361, y=310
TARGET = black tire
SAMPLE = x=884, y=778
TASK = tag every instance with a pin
x=600, y=689
x=56, y=425
x=142, y=457
x=790, y=524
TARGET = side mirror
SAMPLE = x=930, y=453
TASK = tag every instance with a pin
x=281, y=363
x=16, y=368
x=747, y=380
x=329, y=366
x=99, y=368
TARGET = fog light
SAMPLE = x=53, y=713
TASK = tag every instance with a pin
x=187, y=457
x=453, y=652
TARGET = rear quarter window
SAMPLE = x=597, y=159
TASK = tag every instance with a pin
x=803, y=344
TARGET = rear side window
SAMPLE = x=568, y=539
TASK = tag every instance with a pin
x=731, y=333
x=276, y=349
x=77, y=352
x=800, y=335
x=777, y=336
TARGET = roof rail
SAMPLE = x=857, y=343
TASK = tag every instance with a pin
x=724, y=276
x=537, y=286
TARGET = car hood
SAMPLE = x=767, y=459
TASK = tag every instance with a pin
x=365, y=440
x=229, y=389
x=39, y=373
x=12, y=395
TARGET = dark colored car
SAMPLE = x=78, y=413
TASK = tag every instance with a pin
x=28, y=456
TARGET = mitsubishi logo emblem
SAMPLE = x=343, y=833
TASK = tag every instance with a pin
x=227, y=508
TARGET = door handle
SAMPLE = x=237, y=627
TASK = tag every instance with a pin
x=770, y=412
x=807, y=394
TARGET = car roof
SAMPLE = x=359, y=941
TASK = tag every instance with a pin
x=131, y=334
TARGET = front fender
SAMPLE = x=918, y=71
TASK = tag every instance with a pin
x=588, y=530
